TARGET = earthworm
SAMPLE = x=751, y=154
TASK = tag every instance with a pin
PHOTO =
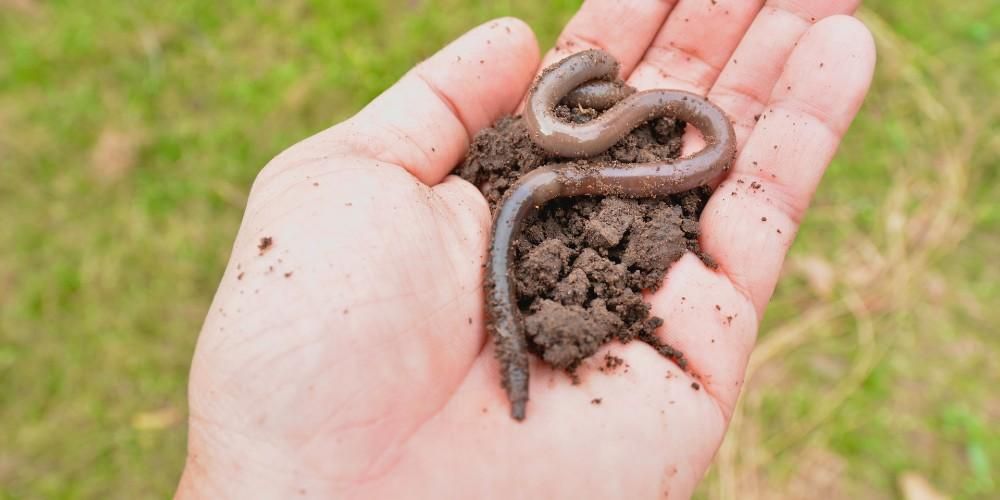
x=598, y=94
x=637, y=180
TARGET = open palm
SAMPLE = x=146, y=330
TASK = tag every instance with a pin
x=345, y=353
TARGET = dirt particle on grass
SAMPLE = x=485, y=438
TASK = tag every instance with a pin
x=264, y=244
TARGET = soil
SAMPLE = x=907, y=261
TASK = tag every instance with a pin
x=582, y=264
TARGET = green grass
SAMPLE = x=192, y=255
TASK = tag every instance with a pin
x=130, y=133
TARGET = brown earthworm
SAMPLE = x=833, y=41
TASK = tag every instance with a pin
x=598, y=94
x=638, y=180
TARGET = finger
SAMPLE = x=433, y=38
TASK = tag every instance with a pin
x=745, y=84
x=622, y=28
x=682, y=56
x=426, y=120
x=750, y=221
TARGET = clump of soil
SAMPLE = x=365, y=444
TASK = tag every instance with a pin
x=581, y=264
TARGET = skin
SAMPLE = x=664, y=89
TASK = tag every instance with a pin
x=640, y=180
x=360, y=375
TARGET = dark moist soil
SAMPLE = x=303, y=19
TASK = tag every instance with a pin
x=582, y=263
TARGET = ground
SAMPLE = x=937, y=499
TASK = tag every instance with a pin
x=130, y=133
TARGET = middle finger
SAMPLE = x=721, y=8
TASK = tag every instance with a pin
x=694, y=45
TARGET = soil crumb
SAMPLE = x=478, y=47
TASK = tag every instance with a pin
x=581, y=264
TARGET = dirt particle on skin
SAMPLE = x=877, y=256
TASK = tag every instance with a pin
x=756, y=118
x=595, y=401
x=612, y=362
x=316, y=184
x=289, y=274
x=239, y=276
x=264, y=244
x=763, y=219
x=695, y=386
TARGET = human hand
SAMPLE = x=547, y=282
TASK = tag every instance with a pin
x=345, y=352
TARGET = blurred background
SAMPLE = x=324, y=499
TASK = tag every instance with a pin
x=130, y=133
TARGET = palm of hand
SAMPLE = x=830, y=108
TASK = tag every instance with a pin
x=349, y=357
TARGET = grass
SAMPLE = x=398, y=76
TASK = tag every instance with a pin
x=130, y=133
